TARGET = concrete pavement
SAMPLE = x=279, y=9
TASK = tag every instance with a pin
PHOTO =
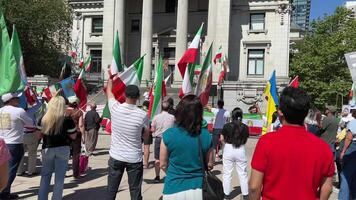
x=93, y=185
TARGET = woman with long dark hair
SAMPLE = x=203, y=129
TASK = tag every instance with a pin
x=179, y=154
x=234, y=136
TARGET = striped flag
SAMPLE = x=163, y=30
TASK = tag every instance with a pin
x=116, y=64
x=218, y=55
x=50, y=91
x=16, y=48
x=156, y=98
x=80, y=89
x=87, y=64
x=272, y=100
x=205, y=79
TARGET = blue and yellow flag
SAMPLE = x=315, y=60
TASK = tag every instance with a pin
x=272, y=100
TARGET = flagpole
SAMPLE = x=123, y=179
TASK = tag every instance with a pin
x=94, y=97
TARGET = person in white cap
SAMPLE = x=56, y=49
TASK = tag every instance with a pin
x=12, y=122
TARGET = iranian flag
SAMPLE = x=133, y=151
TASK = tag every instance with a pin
x=156, y=97
x=218, y=55
x=81, y=62
x=116, y=64
x=131, y=76
x=50, y=91
x=186, y=64
x=16, y=48
x=80, y=89
x=205, y=79
x=87, y=64
x=295, y=82
x=30, y=95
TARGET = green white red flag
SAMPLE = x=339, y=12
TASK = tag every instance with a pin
x=131, y=76
x=205, y=79
x=186, y=63
x=218, y=55
x=157, y=92
x=87, y=64
x=10, y=78
x=16, y=48
x=50, y=91
x=116, y=64
x=80, y=89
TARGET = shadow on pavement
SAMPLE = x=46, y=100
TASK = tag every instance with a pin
x=235, y=192
x=88, y=194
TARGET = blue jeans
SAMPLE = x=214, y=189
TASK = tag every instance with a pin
x=17, y=152
x=134, y=173
x=53, y=160
x=348, y=174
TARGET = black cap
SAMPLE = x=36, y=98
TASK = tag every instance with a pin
x=132, y=92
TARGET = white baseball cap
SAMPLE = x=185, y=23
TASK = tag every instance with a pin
x=73, y=99
x=8, y=96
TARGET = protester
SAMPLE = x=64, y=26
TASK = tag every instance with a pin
x=234, y=135
x=291, y=163
x=92, y=124
x=221, y=116
x=329, y=126
x=179, y=155
x=77, y=116
x=147, y=139
x=171, y=106
x=4, y=164
x=313, y=121
x=128, y=121
x=58, y=129
x=160, y=124
x=348, y=158
x=30, y=142
x=13, y=121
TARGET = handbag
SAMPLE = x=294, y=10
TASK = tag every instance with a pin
x=212, y=185
x=83, y=160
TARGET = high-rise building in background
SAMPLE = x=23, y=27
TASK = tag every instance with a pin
x=301, y=13
x=351, y=5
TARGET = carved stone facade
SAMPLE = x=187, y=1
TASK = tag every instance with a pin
x=254, y=35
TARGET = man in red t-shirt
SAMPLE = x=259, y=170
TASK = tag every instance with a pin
x=292, y=163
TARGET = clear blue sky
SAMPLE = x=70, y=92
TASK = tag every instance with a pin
x=319, y=7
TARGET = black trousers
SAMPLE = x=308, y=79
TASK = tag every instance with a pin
x=135, y=176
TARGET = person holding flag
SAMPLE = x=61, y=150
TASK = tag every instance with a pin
x=128, y=123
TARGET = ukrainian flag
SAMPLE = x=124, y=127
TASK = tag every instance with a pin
x=272, y=100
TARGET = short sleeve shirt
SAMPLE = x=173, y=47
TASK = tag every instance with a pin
x=220, y=117
x=162, y=122
x=4, y=152
x=351, y=126
x=13, y=120
x=294, y=163
x=184, y=168
x=61, y=138
x=127, y=123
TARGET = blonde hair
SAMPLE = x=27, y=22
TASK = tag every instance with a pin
x=52, y=121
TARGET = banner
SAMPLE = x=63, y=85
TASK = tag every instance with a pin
x=351, y=63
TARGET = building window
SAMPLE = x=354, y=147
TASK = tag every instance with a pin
x=95, y=61
x=97, y=25
x=171, y=6
x=135, y=25
x=169, y=52
x=255, y=61
x=257, y=21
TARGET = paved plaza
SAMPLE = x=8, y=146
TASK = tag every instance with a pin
x=93, y=185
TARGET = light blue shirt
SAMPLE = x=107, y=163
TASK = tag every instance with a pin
x=352, y=127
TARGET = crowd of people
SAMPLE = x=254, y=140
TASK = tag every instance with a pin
x=295, y=160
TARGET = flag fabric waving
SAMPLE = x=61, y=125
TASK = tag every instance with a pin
x=205, y=79
x=218, y=55
x=10, y=78
x=156, y=97
x=272, y=100
x=16, y=48
x=131, y=76
x=295, y=82
x=186, y=64
x=50, y=91
x=80, y=89
x=116, y=64
x=87, y=64
x=67, y=87
x=352, y=96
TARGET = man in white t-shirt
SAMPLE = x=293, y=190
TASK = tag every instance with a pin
x=221, y=117
x=13, y=120
x=128, y=124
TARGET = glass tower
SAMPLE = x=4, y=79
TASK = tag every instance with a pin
x=301, y=13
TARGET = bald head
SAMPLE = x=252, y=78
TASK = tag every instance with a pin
x=93, y=106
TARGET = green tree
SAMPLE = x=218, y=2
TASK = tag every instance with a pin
x=44, y=30
x=319, y=59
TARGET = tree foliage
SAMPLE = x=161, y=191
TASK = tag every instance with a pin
x=319, y=60
x=44, y=31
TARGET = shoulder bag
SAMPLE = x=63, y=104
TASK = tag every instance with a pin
x=212, y=185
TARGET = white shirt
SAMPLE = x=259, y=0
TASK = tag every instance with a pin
x=12, y=123
x=162, y=122
x=127, y=123
x=220, y=117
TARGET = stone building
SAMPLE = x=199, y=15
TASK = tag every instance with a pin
x=254, y=35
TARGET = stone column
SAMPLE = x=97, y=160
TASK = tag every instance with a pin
x=146, y=39
x=211, y=21
x=120, y=25
x=108, y=35
x=181, y=38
